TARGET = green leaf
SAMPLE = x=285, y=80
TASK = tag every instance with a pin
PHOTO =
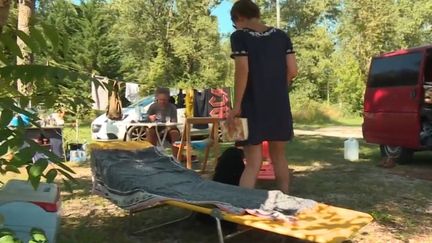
x=67, y=186
x=52, y=34
x=68, y=176
x=38, y=36
x=65, y=45
x=16, y=142
x=64, y=167
x=51, y=175
x=25, y=154
x=3, y=57
x=3, y=146
x=18, y=162
x=24, y=101
x=6, y=231
x=6, y=117
x=73, y=76
x=11, y=168
x=39, y=72
x=8, y=105
x=30, y=42
x=35, y=181
x=37, y=169
x=38, y=235
x=7, y=239
x=11, y=44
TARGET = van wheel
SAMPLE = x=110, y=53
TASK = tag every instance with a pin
x=136, y=133
x=399, y=154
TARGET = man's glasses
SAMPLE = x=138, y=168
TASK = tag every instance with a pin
x=234, y=26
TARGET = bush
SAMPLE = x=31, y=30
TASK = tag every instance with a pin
x=312, y=112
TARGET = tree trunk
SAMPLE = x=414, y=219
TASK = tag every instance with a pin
x=4, y=12
x=25, y=12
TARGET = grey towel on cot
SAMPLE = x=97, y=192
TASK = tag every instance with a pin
x=134, y=180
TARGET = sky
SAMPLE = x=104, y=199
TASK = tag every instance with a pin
x=222, y=12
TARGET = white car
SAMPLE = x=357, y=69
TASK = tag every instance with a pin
x=103, y=128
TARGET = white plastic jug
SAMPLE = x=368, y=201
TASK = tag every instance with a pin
x=77, y=156
x=351, y=149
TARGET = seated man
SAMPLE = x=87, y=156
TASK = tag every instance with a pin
x=163, y=111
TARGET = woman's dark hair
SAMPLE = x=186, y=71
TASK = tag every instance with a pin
x=246, y=9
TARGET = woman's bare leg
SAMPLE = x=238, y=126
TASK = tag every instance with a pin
x=280, y=165
x=253, y=155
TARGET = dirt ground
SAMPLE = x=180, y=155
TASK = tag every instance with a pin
x=335, y=131
x=83, y=210
x=423, y=172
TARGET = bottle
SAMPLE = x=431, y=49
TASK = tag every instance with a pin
x=351, y=149
x=83, y=152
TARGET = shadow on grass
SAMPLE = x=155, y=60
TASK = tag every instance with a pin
x=307, y=150
x=396, y=202
x=91, y=218
x=399, y=202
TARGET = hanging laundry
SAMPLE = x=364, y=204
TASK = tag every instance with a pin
x=211, y=103
x=189, y=103
x=219, y=102
x=99, y=94
x=132, y=92
x=200, y=106
x=181, y=99
x=114, y=110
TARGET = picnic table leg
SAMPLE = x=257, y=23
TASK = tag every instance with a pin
x=207, y=149
x=164, y=136
x=206, y=155
x=188, y=147
x=216, y=148
x=182, y=144
x=158, y=137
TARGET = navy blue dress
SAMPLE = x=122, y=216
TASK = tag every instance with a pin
x=266, y=102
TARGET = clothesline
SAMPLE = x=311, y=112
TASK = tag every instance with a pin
x=99, y=77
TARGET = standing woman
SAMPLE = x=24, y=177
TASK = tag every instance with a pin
x=265, y=65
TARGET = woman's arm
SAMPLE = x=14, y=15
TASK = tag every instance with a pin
x=292, y=69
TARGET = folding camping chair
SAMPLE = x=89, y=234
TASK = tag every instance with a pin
x=322, y=223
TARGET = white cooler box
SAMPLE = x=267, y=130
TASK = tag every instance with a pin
x=24, y=208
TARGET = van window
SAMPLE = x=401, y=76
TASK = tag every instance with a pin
x=428, y=68
x=400, y=70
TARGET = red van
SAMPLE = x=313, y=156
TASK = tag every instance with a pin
x=398, y=103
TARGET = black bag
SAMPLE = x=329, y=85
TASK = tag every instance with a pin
x=229, y=169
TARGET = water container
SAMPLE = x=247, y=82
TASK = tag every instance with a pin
x=77, y=156
x=351, y=149
x=74, y=156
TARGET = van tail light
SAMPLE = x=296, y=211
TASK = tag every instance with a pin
x=428, y=94
x=51, y=207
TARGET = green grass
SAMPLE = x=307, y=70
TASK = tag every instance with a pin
x=84, y=133
x=397, y=203
x=313, y=115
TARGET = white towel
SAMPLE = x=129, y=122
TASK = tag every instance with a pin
x=132, y=92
